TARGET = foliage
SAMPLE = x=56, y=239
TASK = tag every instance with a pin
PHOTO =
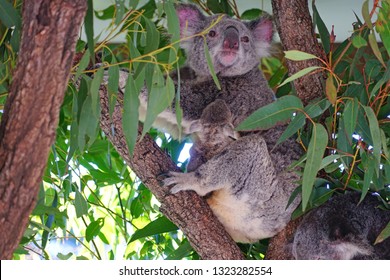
x=352, y=150
x=93, y=205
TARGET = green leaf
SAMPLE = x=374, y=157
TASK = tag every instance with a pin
x=80, y=204
x=384, y=145
x=366, y=14
x=63, y=257
x=299, y=74
x=88, y=25
x=329, y=160
x=95, y=96
x=322, y=30
x=93, y=229
x=385, y=233
x=210, y=65
x=173, y=29
x=152, y=36
x=88, y=124
x=120, y=11
x=9, y=16
x=350, y=116
x=375, y=134
x=358, y=41
x=251, y=14
x=312, y=110
x=113, y=84
x=315, y=152
x=369, y=166
x=385, y=78
x=298, y=55
x=266, y=117
x=74, y=126
x=178, y=109
x=161, y=225
x=331, y=90
x=181, y=252
x=160, y=97
x=130, y=113
x=375, y=48
x=83, y=64
x=107, y=13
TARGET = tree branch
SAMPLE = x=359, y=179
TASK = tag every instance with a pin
x=187, y=210
x=295, y=28
x=27, y=131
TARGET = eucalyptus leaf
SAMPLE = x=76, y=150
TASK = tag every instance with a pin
x=322, y=30
x=299, y=74
x=266, y=117
x=93, y=229
x=89, y=30
x=161, y=225
x=80, y=204
x=298, y=55
x=130, y=113
x=385, y=233
x=315, y=152
x=9, y=16
x=375, y=133
x=210, y=65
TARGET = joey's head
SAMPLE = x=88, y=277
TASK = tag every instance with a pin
x=235, y=46
x=214, y=130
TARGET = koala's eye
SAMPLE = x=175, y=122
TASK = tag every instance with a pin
x=212, y=33
x=245, y=39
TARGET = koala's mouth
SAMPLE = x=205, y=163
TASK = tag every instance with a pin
x=227, y=58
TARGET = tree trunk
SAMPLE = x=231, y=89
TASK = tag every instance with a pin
x=295, y=28
x=27, y=131
x=187, y=210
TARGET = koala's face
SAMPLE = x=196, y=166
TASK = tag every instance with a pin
x=235, y=46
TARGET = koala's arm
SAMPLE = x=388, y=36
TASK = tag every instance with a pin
x=242, y=164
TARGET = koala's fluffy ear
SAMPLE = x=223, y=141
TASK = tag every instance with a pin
x=191, y=21
x=263, y=32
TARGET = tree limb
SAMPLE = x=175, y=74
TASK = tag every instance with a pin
x=295, y=28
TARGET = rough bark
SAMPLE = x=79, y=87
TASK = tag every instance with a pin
x=187, y=210
x=295, y=28
x=49, y=34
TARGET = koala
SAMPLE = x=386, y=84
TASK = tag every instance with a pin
x=246, y=181
x=235, y=48
x=343, y=229
x=212, y=132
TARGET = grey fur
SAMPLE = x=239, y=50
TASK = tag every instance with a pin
x=343, y=229
x=248, y=196
x=212, y=133
x=247, y=179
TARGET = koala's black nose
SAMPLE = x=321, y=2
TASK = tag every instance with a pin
x=231, y=40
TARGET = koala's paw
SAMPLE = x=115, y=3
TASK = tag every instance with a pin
x=181, y=182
